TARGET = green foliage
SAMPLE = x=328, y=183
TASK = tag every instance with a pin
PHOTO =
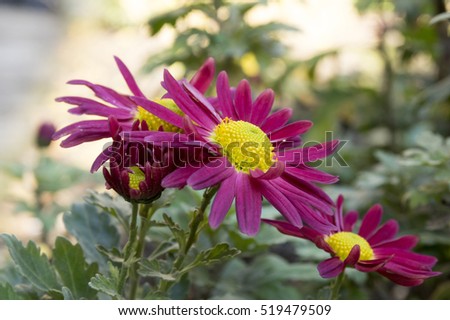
x=91, y=229
x=75, y=273
x=7, y=292
x=154, y=269
x=107, y=284
x=219, y=253
x=32, y=264
x=228, y=37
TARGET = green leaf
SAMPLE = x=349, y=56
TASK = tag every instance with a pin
x=33, y=265
x=7, y=292
x=67, y=294
x=220, y=252
x=153, y=269
x=440, y=17
x=91, y=228
x=75, y=273
x=107, y=284
x=178, y=233
x=115, y=206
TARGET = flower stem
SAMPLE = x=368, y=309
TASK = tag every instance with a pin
x=146, y=212
x=336, y=286
x=129, y=248
x=195, y=227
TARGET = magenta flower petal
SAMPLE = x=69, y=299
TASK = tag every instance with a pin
x=314, y=219
x=407, y=256
x=401, y=280
x=339, y=217
x=272, y=173
x=201, y=114
x=248, y=205
x=405, y=242
x=159, y=111
x=106, y=94
x=290, y=229
x=371, y=265
x=319, y=151
x=243, y=101
x=370, y=221
x=204, y=76
x=276, y=198
x=331, y=268
x=178, y=178
x=224, y=96
x=89, y=106
x=310, y=174
x=129, y=79
x=386, y=232
x=222, y=202
x=211, y=174
x=350, y=220
x=290, y=130
x=276, y=120
x=353, y=256
x=261, y=106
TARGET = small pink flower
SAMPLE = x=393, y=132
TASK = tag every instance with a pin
x=373, y=249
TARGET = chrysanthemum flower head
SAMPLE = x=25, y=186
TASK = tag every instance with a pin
x=373, y=248
x=247, y=154
x=134, y=170
x=122, y=107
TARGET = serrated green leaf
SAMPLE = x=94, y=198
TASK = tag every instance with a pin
x=32, y=264
x=113, y=254
x=163, y=248
x=91, y=228
x=75, y=273
x=220, y=252
x=7, y=292
x=107, y=284
x=178, y=233
x=154, y=269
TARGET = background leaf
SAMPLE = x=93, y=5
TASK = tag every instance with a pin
x=7, y=292
x=32, y=264
x=91, y=228
x=75, y=273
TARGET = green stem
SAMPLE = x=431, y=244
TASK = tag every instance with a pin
x=195, y=227
x=129, y=247
x=336, y=286
x=146, y=213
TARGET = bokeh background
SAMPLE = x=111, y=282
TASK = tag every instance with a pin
x=373, y=73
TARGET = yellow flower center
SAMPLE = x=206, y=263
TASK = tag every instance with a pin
x=136, y=176
x=245, y=145
x=153, y=122
x=343, y=242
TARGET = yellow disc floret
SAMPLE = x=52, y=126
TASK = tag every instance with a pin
x=343, y=242
x=153, y=122
x=245, y=145
x=136, y=176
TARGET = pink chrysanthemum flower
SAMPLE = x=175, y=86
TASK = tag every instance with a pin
x=373, y=249
x=120, y=106
x=248, y=157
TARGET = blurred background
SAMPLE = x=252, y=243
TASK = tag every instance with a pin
x=374, y=73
